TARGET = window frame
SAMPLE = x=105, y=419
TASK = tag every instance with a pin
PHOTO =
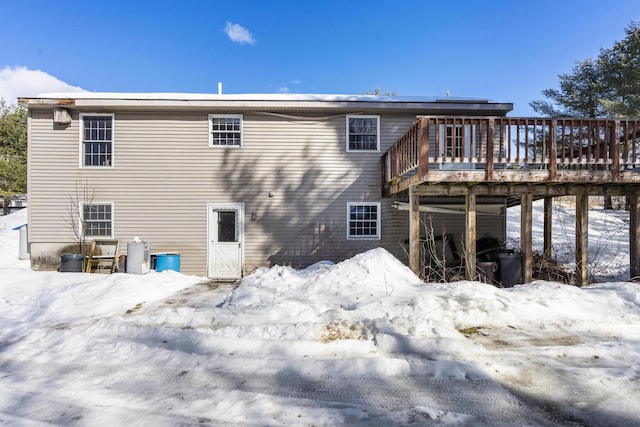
x=81, y=150
x=454, y=141
x=363, y=116
x=378, y=221
x=226, y=116
x=82, y=221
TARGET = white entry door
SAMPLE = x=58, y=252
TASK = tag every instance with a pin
x=225, y=239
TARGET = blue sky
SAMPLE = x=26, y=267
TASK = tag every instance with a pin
x=508, y=51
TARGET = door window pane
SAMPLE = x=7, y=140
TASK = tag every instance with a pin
x=227, y=226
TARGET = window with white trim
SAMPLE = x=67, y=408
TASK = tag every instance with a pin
x=363, y=133
x=225, y=130
x=97, y=220
x=363, y=220
x=96, y=136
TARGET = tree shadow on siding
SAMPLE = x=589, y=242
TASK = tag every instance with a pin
x=296, y=193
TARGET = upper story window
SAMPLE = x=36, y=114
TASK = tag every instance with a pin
x=225, y=130
x=97, y=220
x=363, y=220
x=363, y=133
x=96, y=135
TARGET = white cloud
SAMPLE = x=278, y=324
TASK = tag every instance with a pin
x=286, y=87
x=238, y=34
x=21, y=82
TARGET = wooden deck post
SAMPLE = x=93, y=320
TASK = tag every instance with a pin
x=548, y=225
x=490, y=150
x=553, y=150
x=414, y=231
x=582, y=239
x=614, y=149
x=634, y=237
x=423, y=148
x=470, y=236
x=526, y=230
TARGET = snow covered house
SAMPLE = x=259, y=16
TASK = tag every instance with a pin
x=231, y=182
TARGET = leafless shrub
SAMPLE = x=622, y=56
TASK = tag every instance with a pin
x=440, y=260
x=545, y=268
x=604, y=245
x=75, y=219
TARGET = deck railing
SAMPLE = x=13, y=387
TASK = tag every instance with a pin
x=489, y=144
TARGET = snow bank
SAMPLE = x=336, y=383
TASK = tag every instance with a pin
x=360, y=280
x=88, y=345
x=10, y=239
x=36, y=299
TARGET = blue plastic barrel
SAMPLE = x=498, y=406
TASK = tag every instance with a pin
x=167, y=262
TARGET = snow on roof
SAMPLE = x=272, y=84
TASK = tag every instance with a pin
x=255, y=97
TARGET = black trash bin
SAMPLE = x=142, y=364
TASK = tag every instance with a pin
x=71, y=263
x=509, y=268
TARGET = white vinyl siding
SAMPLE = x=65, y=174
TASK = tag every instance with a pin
x=225, y=130
x=96, y=140
x=363, y=133
x=167, y=174
x=363, y=221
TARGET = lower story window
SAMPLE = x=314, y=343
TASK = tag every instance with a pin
x=97, y=220
x=364, y=220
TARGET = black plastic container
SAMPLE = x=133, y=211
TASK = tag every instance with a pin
x=71, y=263
x=509, y=268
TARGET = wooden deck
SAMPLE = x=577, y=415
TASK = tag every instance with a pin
x=474, y=150
x=520, y=159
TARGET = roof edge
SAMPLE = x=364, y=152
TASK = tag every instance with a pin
x=116, y=99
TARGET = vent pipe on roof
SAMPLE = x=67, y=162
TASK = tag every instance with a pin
x=219, y=88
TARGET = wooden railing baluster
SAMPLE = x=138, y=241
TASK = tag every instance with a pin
x=566, y=149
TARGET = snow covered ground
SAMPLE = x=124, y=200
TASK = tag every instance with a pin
x=362, y=342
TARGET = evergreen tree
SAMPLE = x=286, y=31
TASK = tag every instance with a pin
x=606, y=87
x=13, y=152
x=579, y=96
x=620, y=66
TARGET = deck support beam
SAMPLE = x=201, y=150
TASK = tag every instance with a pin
x=470, y=236
x=548, y=225
x=634, y=237
x=582, y=240
x=414, y=231
x=526, y=231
